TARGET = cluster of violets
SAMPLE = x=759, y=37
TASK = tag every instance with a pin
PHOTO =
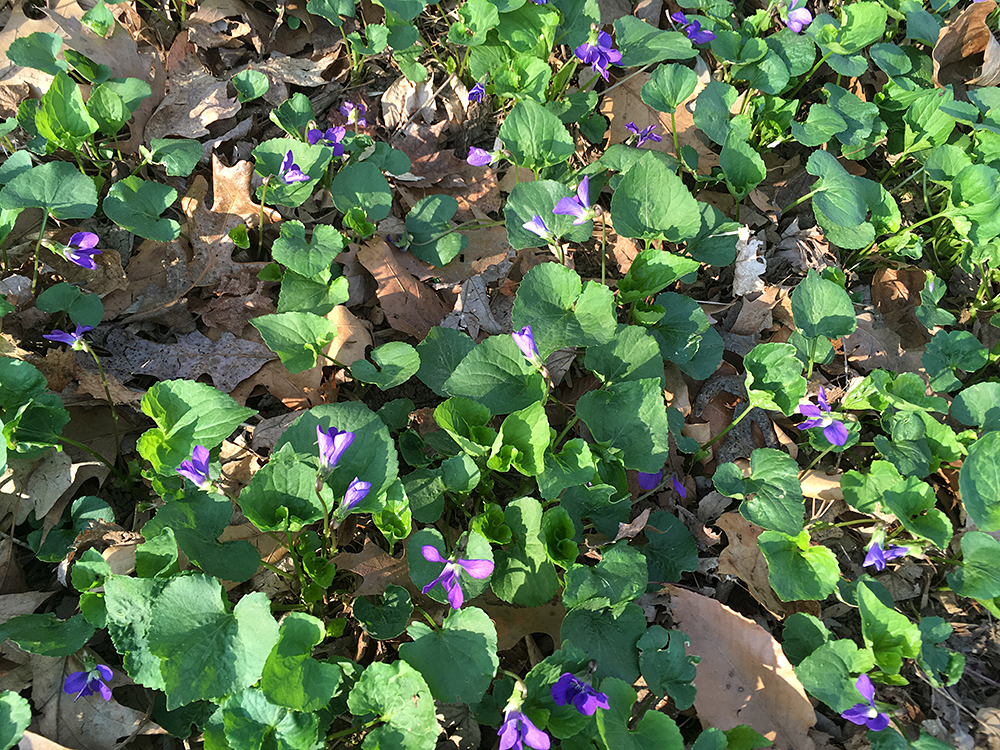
x=332, y=445
x=579, y=207
x=290, y=172
x=518, y=731
x=89, y=683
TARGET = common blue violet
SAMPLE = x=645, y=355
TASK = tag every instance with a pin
x=571, y=689
x=72, y=340
x=89, y=683
x=599, y=53
x=693, y=29
x=81, y=250
x=819, y=416
x=866, y=713
x=577, y=206
x=290, y=172
x=449, y=575
x=878, y=557
x=332, y=444
x=518, y=731
x=196, y=467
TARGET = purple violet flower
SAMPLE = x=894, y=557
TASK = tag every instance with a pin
x=354, y=114
x=196, y=467
x=650, y=481
x=518, y=731
x=578, y=206
x=449, y=576
x=866, y=713
x=571, y=689
x=646, y=134
x=693, y=29
x=819, y=416
x=679, y=488
x=81, y=250
x=73, y=340
x=546, y=2
x=290, y=172
x=537, y=226
x=356, y=492
x=525, y=341
x=478, y=92
x=332, y=137
x=89, y=683
x=599, y=55
x=332, y=444
x=878, y=557
x=479, y=157
x=798, y=16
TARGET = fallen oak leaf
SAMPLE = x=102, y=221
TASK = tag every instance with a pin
x=377, y=568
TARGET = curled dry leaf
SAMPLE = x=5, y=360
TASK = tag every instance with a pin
x=744, y=676
x=964, y=47
x=404, y=100
x=749, y=264
x=513, y=623
x=353, y=336
x=378, y=569
x=472, y=312
x=33, y=485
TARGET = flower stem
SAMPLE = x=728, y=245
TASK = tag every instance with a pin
x=87, y=449
x=703, y=450
x=107, y=393
x=326, y=514
x=38, y=245
x=260, y=220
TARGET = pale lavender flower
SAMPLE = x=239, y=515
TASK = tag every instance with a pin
x=450, y=574
x=646, y=134
x=290, y=172
x=356, y=492
x=578, y=206
x=518, y=731
x=332, y=444
x=650, y=481
x=332, y=137
x=693, y=29
x=196, y=467
x=537, y=226
x=81, y=250
x=798, y=16
x=72, y=340
x=479, y=157
x=89, y=683
x=866, y=713
x=571, y=689
x=878, y=557
x=478, y=92
x=525, y=341
x=354, y=114
x=819, y=416
x=599, y=55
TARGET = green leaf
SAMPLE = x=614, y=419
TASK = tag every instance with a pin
x=197, y=521
x=56, y=186
x=179, y=156
x=387, y=619
x=927, y=124
x=912, y=501
x=467, y=422
x=535, y=137
x=294, y=115
x=594, y=504
x=529, y=29
x=864, y=492
x=397, y=362
x=108, y=110
x=774, y=482
x=362, y=184
x=742, y=165
x=632, y=417
x=561, y=311
x=250, y=84
x=331, y=10
x=296, y=337
x=157, y=557
x=978, y=406
x=948, y=352
x=83, y=308
x=539, y=197
x=665, y=665
x=820, y=126
x=205, y=650
x=651, y=272
x=292, y=677
x=573, y=465
x=459, y=660
x=641, y=43
x=711, y=114
x=798, y=570
x=186, y=414
x=979, y=482
x=15, y=715
x=477, y=18
x=655, y=731
x=397, y=695
x=38, y=50
x=47, y=635
x=405, y=9
x=423, y=571
x=979, y=575
x=497, y=375
x=129, y=603
x=490, y=524
x=136, y=205
x=620, y=576
x=652, y=203
x=774, y=378
x=62, y=116
x=631, y=354
x=557, y=533
x=837, y=196
x=249, y=716
x=523, y=574
x=395, y=519
x=822, y=308
x=312, y=160
x=429, y=227
x=827, y=672
x=942, y=667
x=802, y=635
x=671, y=550
x=521, y=443
x=440, y=353
x=609, y=635
x=928, y=311
x=669, y=86
x=890, y=635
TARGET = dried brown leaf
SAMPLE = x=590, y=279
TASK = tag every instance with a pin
x=958, y=55
x=378, y=569
x=513, y=623
x=353, y=336
x=744, y=676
